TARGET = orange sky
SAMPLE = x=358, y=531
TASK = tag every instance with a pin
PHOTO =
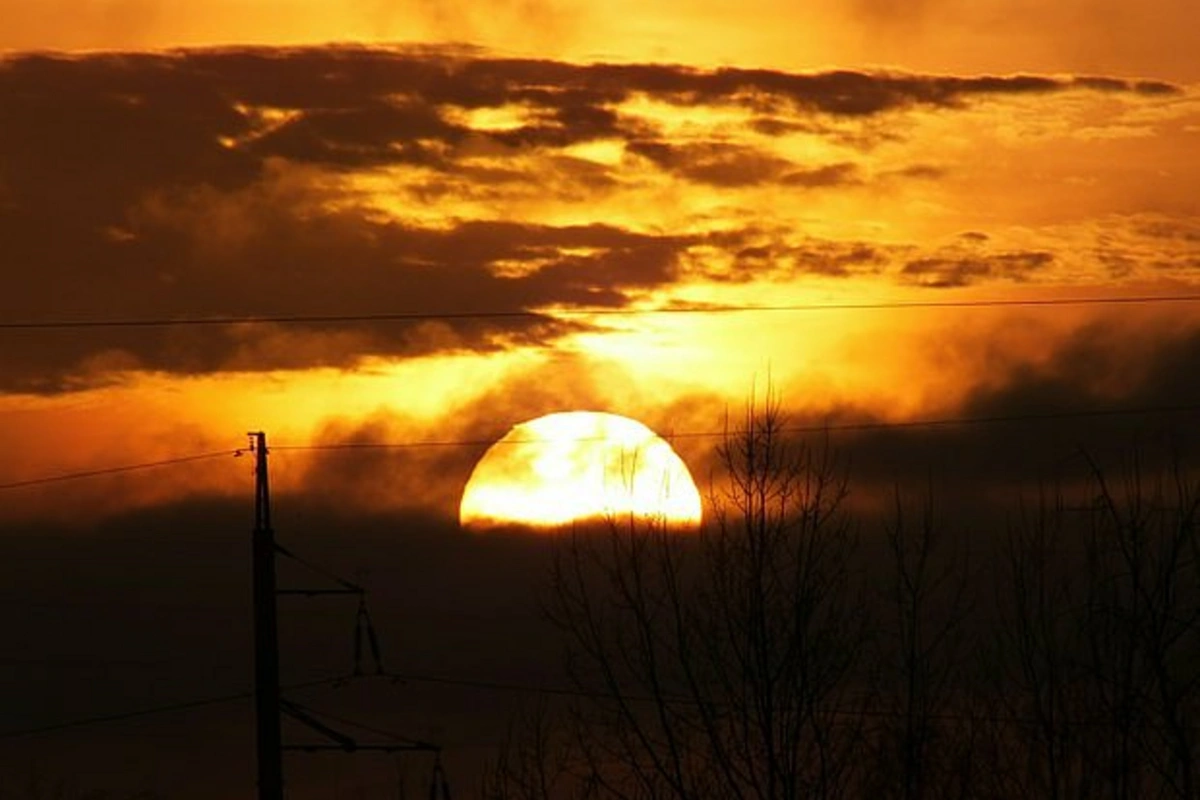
x=753, y=154
x=467, y=215
x=1155, y=38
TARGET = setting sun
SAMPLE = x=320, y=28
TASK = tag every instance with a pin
x=499, y=284
x=578, y=466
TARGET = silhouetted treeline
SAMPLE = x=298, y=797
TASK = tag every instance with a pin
x=791, y=650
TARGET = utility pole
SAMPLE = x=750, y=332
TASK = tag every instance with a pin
x=266, y=633
x=269, y=705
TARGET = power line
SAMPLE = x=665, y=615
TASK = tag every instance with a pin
x=465, y=683
x=468, y=683
x=831, y=427
x=186, y=705
x=616, y=693
x=428, y=316
x=92, y=473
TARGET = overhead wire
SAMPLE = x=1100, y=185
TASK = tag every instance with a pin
x=831, y=427
x=715, y=309
x=186, y=705
x=612, y=693
x=429, y=316
x=423, y=316
x=116, y=470
x=468, y=683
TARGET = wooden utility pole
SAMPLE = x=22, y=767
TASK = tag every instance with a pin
x=269, y=705
x=266, y=633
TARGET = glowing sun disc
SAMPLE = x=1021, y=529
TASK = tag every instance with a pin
x=577, y=466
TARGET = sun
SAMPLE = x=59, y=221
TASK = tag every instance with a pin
x=578, y=466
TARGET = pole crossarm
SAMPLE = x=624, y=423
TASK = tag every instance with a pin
x=297, y=713
x=344, y=742
x=348, y=587
x=363, y=748
x=316, y=592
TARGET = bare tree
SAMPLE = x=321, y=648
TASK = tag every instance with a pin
x=1145, y=609
x=720, y=664
x=536, y=761
x=923, y=732
x=1042, y=635
x=1103, y=637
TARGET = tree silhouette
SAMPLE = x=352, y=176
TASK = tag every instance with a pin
x=1102, y=636
x=765, y=658
x=718, y=665
x=923, y=731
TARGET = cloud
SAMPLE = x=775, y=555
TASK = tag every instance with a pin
x=1114, y=384
x=228, y=182
x=764, y=257
x=715, y=163
x=262, y=258
x=943, y=273
x=841, y=174
x=1120, y=364
x=429, y=466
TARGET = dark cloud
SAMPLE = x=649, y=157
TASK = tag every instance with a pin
x=830, y=175
x=1184, y=230
x=1104, y=84
x=921, y=171
x=1115, y=388
x=572, y=118
x=963, y=271
x=1119, y=364
x=762, y=256
x=282, y=264
x=375, y=135
x=718, y=164
x=1116, y=385
x=1154, y=87
x=84, y=137
x=206, y=183
x=134, y=119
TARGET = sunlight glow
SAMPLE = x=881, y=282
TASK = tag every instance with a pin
x=578, y=466
x=491, y=118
